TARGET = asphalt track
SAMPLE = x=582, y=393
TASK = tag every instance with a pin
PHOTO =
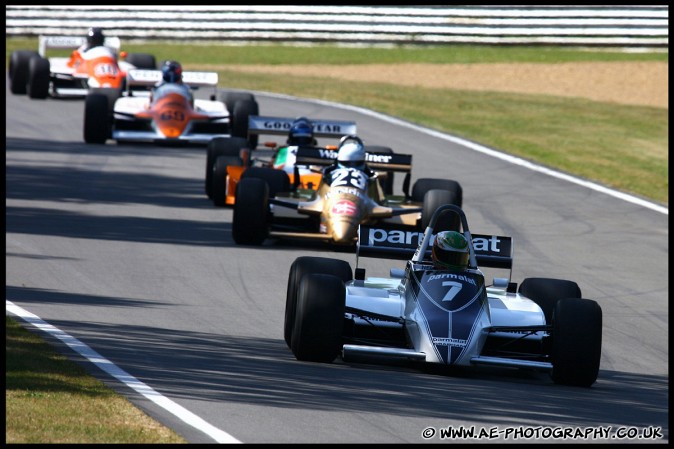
x=118, y=248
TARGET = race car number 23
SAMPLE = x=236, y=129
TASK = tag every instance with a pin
x=349, y=177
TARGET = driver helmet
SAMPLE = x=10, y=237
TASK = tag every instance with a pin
x=95, y=37
x=351, y=153
x=450, y=251
x=301, y=132
x=172, y=72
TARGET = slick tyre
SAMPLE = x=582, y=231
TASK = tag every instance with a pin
x=277, y=180
x=38, y=78
x=423, y=185
x=219, y=178
x=448, y=221
x=239, y=121
x=309, y=265
x=221, y=146
x=18, y=70
x=142, y=60
x=250, y=221
x=576, y=342
x=319, y=319
x=96, y=122
x=546, y=292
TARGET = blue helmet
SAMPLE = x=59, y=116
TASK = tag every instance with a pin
x=301, y=132
x=172, y=72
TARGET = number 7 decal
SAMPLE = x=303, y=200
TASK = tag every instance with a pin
x=454, y=289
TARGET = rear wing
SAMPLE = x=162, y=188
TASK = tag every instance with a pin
x=490, y=250
x=280, y=126
x=376, y=161
x=71, y=42
x=146, y=78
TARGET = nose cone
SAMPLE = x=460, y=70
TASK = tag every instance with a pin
x=343, y=232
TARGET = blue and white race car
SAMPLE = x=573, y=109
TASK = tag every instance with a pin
x=429, y=315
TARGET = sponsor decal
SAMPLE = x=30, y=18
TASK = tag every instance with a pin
x=449, y=341
x=453, y=276
x=344, y=207
x=379, y=158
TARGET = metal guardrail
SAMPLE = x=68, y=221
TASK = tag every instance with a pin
x=581, y=25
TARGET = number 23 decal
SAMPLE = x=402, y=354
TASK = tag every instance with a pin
x=349, y=177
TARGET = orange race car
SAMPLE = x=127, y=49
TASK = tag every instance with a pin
x=104, y=66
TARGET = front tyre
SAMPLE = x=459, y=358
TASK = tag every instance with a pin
x=309, y=265
x=250, y=223
x=38, y=77
x=96, y=121
x=576, y=342
x=319, y=320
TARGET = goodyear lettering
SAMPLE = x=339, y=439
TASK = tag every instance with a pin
x=277, y=125
x=327, y=128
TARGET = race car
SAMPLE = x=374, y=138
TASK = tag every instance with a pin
x=228, y=158
x=169, y=114
x=345, y=199
x=103, y=67
x=427, y=315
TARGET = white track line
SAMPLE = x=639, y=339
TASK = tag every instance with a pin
x=121, y=375
x=485, y=150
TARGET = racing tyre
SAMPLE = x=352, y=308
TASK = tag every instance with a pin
x=448, y=221
x=576, y=342
x=251, y=209
x=221, y=146
x=38, y=77
x=319, y=319
x=142, y=60
x=219, y=178
x=309, y=265
x=96, y=119
x=387, y=182
x=423, y=185
x=277, y=180
x=239, y=120
x=18, y=70
x=230, y=99
x=546, y=292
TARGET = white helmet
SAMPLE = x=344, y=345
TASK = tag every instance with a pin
x=351, y=152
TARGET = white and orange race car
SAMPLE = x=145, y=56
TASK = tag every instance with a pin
x=104, y=67
x=150, y=112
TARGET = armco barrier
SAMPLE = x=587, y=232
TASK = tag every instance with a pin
x=581, y=25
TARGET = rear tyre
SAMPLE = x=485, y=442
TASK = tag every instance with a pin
x=309, y=265
x=250, y=221
x=219, y=178
x=96, y=121
x=221, y=146
x=319, y=320
x=239, y=120
x=576, y=342
x=546, y=292
x=38, y=77
x=423, y=185
x=18, y=70
x=277, y=180
x=141, y=60
x=448, y=221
